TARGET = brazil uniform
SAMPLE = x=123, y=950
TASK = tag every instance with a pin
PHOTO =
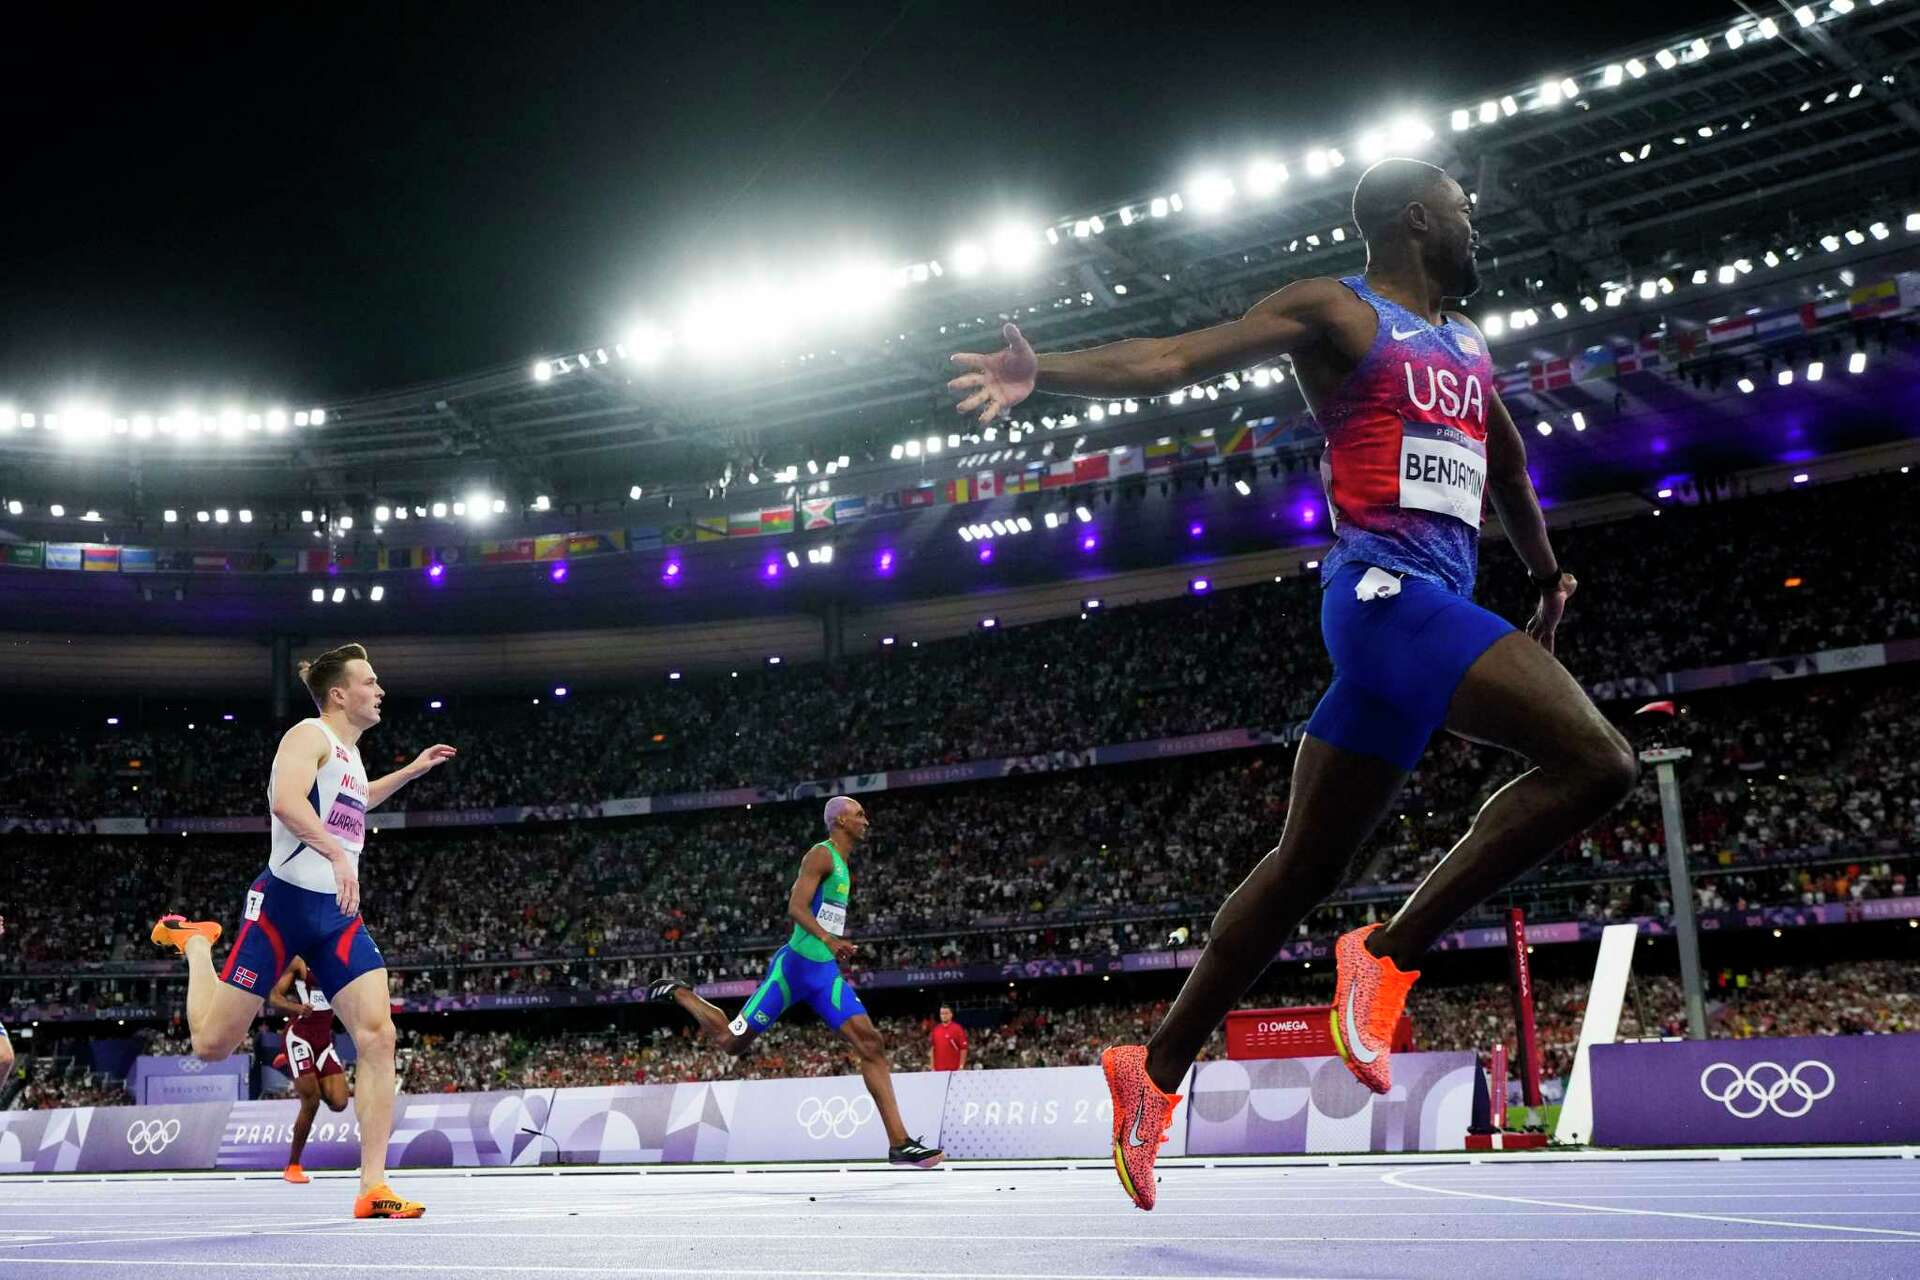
x=804, y=970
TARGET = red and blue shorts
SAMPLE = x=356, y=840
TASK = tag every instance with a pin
x=282, y=921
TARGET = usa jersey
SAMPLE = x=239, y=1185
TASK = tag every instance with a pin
x=339, y=796
x=1405, y=467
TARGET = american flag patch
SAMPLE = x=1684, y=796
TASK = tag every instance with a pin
x=1469, y=344
x=245, y=977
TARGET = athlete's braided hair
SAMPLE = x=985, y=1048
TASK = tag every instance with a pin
x=329, y=670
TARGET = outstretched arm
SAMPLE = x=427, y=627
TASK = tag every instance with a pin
x=434, y=756
x=1511, y=489
x=1278, y=324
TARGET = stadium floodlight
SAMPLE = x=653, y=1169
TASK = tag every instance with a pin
x=15, y=507
x=1735, y=38
x=1579, y=420
x=221, y=515
x=377, y=594
x=1200, y=586
x=1857, y=362
x=1489, y=111
x=1801, y=477
x=1264, y=177
x=968, y=258
x=1461, y=119
x=1051, y=520
x=1509, y=105
x=246, y=516
x=934, y=445
x=1550, y=92
x=897, y=452
x=1242, y=488
x=1157, y=207
x=1879, y=231
x=1589, y=303
x=913, y=449
x=1559, y=310
x=1647, y=290
x=1494, y=326
x=1699, y=48
x=299, y=419
x=318, y=417
x=346, y=523
x=1913, y=222
x=439, y=511
x=1831, y=243
x=1804, y=15
x=1855, y=237
x=382, y=513
x=1211, y=192
x=1015, y=248
x=1610, y=78
x=170, y=516
x=56, y=511
x=499, y=506
x=1746, y=386
x=1096, y=413
x=1083, y=515
x=1615, y=297
x=1023, y=524
x=1768, y=28
x=8, y=419
x=793, y=560
x=1372, y=145
x=1785, y=378
x=542, y=372
x=319, y=595
x=1544, y=427
x=1725, y=274
x=1666, y=60
x=999, y=528
x=339, y=595
x=1816, y=370
x=1636, y=68
x=1842, y=6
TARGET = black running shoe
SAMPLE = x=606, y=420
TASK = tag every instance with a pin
x=916, y=1153
x=663, y=988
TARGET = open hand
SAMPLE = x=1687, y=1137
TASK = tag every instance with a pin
x=437, y=754
x=1546, y=614
x=346, y=888
x=997, y=382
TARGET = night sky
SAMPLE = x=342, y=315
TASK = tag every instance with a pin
x=220, y=202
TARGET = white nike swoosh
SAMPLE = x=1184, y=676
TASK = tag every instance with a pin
x=1402, y=337
x=1359, y=1051
x=1133, y=1133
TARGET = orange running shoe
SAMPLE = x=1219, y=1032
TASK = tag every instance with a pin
x=382, y=1203
x=173, y=931
x=1142, y=1113
x=1368, y=995
x=296, y=1174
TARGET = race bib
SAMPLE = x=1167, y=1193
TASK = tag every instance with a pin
x=255, y=901
x=832, y=917
x=348, y=819
x=1443, y=470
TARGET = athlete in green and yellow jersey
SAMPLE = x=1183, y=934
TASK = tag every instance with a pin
x=807, y=970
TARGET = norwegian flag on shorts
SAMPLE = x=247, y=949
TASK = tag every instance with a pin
x=245, y=977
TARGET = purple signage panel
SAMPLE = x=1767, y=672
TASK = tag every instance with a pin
x=164, y=1078
x=1737, y=1092
x=1034, y=1112
x=143, y=1139
x=259, y=1135
x=1297, y=1106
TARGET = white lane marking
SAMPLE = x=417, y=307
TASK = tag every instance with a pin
x=1394, y=1180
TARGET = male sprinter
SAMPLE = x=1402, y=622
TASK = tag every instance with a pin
x=318, y=1074
x=307, y=903
x=808, y=969
x=1403, y=390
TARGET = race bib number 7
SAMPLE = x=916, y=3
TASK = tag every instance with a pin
x=255, y=901
x=1443, y=470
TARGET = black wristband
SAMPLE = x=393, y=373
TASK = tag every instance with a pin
x=1545, y=581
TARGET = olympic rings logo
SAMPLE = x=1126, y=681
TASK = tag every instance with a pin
x=151, y=1137
x=191, y=1065
x=1762, y=1086
x=833, y=1117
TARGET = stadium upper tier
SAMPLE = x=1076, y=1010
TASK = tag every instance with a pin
x=1654, y=194
x=1724, y=582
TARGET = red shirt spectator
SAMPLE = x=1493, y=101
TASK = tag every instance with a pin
x=949, y=1043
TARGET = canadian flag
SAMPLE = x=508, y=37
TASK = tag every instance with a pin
x=986, y=485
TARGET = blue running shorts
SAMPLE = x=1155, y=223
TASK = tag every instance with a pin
x=1398, y=655
x=282, y=921
x=819, y=984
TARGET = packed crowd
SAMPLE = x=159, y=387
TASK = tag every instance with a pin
x=1696, y=585
x=1798, y=793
